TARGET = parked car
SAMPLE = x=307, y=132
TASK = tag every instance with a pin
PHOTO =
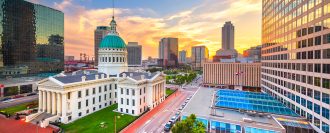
x=177, y=113
x=31, y=94
x=173, y=119
x=181, y=107
x=18, y=96
x=168, y=126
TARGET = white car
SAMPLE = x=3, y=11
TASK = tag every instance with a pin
x=8, y=101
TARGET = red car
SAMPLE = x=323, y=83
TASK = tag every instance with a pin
x=18, y=96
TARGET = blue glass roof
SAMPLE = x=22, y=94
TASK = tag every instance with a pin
x=259, y=102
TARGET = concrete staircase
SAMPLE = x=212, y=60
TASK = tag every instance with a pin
x=41, y=117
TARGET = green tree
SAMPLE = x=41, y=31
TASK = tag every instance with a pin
x=189, y=125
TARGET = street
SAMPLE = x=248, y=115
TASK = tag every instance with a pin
x=157, y=122
x=19, y=101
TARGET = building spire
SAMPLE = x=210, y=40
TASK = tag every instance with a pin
x=113, y=9
x=113, y=24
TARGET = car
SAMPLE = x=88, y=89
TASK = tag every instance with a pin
x=181, y=107
x=31, y=94
x=8, y=101
x=173, y=119
x=18, y=96
x=188, y=98
x=168, y=126
x=177, y=113
x=5, y=99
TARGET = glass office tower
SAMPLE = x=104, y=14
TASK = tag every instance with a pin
x=31, y=38
x=296, y=56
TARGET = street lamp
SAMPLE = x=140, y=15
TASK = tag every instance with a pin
x=116, y=122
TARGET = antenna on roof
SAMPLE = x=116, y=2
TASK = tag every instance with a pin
x=113, y=8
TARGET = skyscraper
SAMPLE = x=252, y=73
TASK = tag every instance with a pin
x=31, y=37
x=134, y=54
x=228, y=45
x=183, y=57
x=199, y=55
x=99, y=33
x=295, y=57
x=228, y=30
x=168, y=52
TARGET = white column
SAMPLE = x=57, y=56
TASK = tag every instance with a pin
x=53, y=103
x=59, y=102
x=49, y=103
x=64, y=105
x=44, y=101
x=40, y=101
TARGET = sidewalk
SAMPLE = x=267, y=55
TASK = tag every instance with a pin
x=19, y=126
x=143, y=119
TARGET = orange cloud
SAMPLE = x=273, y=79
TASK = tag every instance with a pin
x=201, y=25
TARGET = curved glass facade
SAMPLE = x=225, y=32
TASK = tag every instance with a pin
x=31, y=37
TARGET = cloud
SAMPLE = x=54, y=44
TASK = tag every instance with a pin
x=200, y=25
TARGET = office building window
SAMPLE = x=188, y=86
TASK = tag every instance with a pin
x=121, y=91
x=93, y=90
x=100, y=89
x=127, y=101
x=326, y=83
x=325, y=113
x=326, y=68
x=79, y=105
x=133, y=92
x=121, y=101
x=127, y=91
x=86, y=103
x=325, y=127
x=325, y=98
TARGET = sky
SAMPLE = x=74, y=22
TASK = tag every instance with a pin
x=194, y=22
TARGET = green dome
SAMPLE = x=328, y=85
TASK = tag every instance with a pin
x=112, y=41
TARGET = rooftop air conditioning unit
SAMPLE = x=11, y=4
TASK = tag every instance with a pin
x=249, y=120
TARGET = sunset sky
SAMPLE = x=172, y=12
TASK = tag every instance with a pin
x=194, y=22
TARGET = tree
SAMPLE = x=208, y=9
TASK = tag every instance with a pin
x=189, y=125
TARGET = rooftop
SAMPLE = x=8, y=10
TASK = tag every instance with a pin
x=93, y=74
x=252, y=101
x=201, y=104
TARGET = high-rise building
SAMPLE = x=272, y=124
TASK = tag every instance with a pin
x=199, y=55
x=253, y=53
x=99, y=33
x=295, y=57
x=134, y=54
x=183, y=57
x=168, y=52
x=228, y=30
x=31, y=37
x=228, y=45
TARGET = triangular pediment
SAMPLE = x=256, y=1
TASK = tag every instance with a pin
x=158, y=77
x=49, y=83
x=127, y=81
